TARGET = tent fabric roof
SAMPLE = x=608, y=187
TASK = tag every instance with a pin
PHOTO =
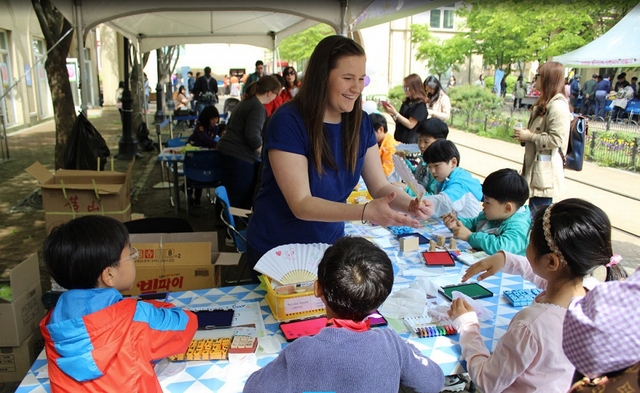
x=162, y=23
x=619, y=47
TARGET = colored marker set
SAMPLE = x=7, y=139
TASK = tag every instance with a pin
x=435, y=330
x=423, y=327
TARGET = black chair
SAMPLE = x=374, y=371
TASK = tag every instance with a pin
x=159, y=225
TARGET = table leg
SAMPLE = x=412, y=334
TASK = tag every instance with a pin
x=176, y=188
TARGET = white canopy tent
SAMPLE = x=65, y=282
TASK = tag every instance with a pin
x=159, y=23
x=619, y=47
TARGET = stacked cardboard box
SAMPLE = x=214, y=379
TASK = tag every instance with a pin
x=20, y=341
x=73, y=193
x=172, y=262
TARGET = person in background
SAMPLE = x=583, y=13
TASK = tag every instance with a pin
x=568, y=241
x=205, y=90
x=600, y=336
x=546, y=134
x=254, y=77
x=291, y=86
x=317, y=146
x=429, y=131
x=480, y=81
x=621, y=82
x=285, y=95
x=519, y=91
x=438, y=102
x=206, y=133
x=456, y=190
x=589, y=95
x=634, y=85
x=452, y=82
x=226, y=88
x=602, y=90
x=413, y=110
x=503, y=86
x=147, y=93
x=386, y=143
x=241, y=146
x=354, y=277
x=191, y=81
x=504, y=221
x=574, y=92
x=96, y=340
x=119, y=92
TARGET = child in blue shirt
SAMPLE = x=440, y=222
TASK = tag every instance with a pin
x=354, y=278
x=456, y=189
x=429, y=131
x=504, y=222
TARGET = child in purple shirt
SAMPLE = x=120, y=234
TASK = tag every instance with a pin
x=354, y=278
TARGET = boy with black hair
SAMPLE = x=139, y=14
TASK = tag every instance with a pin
x=386, y=142
x=354, y=278
x=96, y=340
x=456, y=189
x=429, y=131
x=504, y=221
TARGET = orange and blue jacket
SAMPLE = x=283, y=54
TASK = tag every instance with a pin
x=97, y=341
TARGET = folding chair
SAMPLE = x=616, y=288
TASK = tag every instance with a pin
x=202, y=170
x=227, y=216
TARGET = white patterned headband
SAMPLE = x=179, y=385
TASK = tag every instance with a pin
x=546, y=228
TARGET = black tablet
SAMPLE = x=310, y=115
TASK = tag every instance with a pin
x=214, y=319
x=473, y=290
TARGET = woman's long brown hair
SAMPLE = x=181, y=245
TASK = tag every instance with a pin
x=414, y=83
x=550, y=83
x=312, y=100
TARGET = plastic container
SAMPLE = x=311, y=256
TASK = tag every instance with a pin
x=294, y=306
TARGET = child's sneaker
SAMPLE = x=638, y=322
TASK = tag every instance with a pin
x=453, y=384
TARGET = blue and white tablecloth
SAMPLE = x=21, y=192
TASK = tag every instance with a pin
x=214, y=376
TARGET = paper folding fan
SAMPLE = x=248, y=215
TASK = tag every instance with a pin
x=406, y=175
x=292, y=263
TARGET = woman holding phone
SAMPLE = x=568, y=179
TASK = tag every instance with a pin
x=413, y=110
x=316, y=148
x=546, y=137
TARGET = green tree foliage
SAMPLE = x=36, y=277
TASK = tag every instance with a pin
x=441, y=56
x=508, y=31
x=475, y=101
x=300, y=46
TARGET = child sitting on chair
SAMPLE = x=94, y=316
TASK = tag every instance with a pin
x=568, y=241
x=386, y=143
x=429, y=131
x=96, y=340
x=456, y=190
x=504, y=221
x=354, y=278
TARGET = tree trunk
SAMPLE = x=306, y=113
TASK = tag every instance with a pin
x=54, y=26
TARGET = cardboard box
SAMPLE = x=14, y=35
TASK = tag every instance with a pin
x=16, y=361
x=20, y=317
x=171, y=262
x=73, y=193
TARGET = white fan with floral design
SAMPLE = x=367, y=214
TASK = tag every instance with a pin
x=292, y=263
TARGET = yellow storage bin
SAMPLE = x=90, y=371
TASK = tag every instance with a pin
x=295, y=306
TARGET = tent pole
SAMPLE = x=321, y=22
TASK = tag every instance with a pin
x=344, y=4
x=83, y=84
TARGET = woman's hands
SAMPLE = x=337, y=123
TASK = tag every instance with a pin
x=522, y=134
x=489, y=266
x=389, y=109
x=458, y=307
x=379, y=212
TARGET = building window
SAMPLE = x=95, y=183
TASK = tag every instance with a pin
x=443, y=18
x=435, y=19
x=447, y=22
